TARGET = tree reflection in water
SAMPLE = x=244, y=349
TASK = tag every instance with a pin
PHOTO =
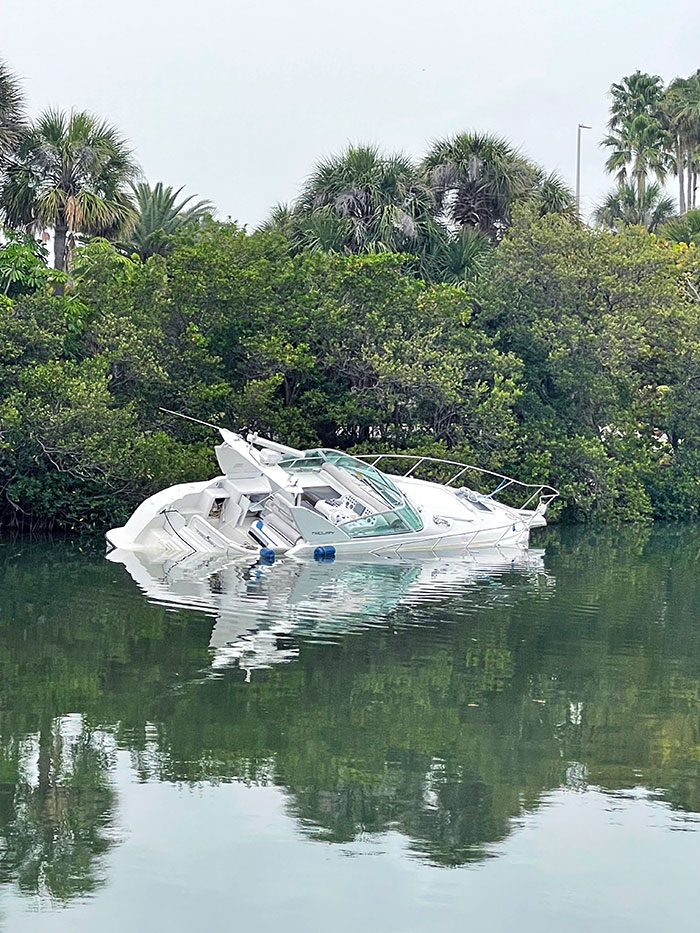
x=56, y=808
x=441, y=707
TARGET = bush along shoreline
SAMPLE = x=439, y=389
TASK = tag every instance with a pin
x=574, y=358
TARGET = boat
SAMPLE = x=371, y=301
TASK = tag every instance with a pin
x=277, y=500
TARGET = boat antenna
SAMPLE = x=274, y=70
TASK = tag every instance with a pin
x=178, y=414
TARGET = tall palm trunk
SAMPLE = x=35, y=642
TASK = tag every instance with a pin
x=681, y=186
x=641, y=189
x=59, y=245
x=689, y=196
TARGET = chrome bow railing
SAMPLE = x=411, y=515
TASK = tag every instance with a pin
x=538, y=495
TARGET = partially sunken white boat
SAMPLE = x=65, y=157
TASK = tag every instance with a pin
x=278, y=500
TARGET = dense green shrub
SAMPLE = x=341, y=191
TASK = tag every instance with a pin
x=573, y=359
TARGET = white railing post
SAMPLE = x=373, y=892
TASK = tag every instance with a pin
x=415, y=466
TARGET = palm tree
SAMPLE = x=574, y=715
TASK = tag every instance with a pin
x=476, y=178
x=639, y=141
x=682, y=108
x=456, y=257
x=71, y=172
x=624, y=207
x=551, y=195
x=640, y=146
x=636, y=94
x=315, y=230
x=685, y=229
x=159, y=217
x=381, y=203
x=11, y=111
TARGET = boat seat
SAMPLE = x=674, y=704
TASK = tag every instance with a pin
x=235, y=509
x=281, y=525
x=234, y=512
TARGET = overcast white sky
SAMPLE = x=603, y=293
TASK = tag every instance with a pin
x=237, y=99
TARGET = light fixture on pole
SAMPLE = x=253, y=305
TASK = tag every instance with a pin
x=581, y=126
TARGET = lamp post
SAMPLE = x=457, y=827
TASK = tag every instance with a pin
x=581, y=126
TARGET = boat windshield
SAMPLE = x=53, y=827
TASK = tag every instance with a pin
x=396, y=522
x=399, y=518
x=364, y=472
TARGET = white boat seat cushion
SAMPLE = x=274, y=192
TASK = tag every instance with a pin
x=281, y=525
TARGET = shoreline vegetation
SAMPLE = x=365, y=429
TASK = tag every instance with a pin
x=455, y=306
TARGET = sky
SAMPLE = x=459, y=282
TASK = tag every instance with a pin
x=237, y=100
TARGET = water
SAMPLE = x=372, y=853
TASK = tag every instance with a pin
x=491, y=744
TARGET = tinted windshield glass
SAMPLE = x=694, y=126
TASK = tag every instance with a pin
x=367, y=474
x=378, y=482
x=397, y=522
x=310, y=460
x=401, y=516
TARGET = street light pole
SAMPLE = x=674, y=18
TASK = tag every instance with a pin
x=581, y=126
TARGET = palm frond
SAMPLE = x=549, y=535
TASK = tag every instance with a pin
x=12, y=115
x=552, y=195
x=624, y=207
x=157, y=217
x=457, y=258
x=685, y=229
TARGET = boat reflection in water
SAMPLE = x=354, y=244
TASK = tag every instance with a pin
x=263, y=609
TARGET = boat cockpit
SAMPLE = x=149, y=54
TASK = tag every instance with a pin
x=351, y=494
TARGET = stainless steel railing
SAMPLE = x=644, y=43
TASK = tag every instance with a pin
x=541, y=494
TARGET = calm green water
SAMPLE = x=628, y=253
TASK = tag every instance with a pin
x=389, y=747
